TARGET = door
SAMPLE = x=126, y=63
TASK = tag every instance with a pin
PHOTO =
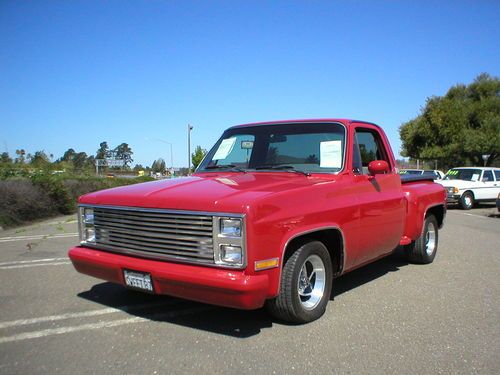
x=488, y=187
x=380, y=198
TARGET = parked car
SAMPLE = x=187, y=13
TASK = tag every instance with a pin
x=272, y=214
x=469, y=185
x=434, y=173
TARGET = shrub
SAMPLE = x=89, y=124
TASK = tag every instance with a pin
x=44, y=195
x=21, y=201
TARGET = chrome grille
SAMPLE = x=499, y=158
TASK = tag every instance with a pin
x=155, y=233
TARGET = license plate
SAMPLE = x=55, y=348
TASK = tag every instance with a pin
x=138, y=280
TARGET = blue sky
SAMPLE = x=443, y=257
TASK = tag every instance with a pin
x=76, y=73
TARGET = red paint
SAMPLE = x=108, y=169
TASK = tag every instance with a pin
x=375, y=213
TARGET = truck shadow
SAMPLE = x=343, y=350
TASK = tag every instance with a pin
x=219, y=320
x=369, y=273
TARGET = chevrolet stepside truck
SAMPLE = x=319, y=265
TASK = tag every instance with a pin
x=273, y=213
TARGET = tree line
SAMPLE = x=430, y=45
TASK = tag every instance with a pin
x=457, y=129
x=71, y=160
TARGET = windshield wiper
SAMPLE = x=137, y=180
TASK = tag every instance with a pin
x=287, y=168
x=226, y=166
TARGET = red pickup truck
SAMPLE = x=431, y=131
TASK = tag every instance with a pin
x=271, y=216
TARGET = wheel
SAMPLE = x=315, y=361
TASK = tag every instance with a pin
x=306, y=284
x=467, y=200
x=424, y=249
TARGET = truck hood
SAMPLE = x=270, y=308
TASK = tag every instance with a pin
x=213, y=192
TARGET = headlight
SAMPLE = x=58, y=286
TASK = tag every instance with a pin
x=230, y=227
x=231, y=254
x=229, y=242
x=86, y=222
x=452, y=190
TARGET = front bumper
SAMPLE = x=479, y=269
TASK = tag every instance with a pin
x=453, y=198
x=216, y=286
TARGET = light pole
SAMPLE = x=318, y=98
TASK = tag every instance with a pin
x=189, y=148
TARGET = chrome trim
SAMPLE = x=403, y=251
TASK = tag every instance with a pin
x=220, y=240
x=164, y=210
x=184, y=244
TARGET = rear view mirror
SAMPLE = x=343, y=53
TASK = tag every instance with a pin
x=378, y=167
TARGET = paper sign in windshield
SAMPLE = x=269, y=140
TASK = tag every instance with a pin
x=226, y=146
x=330, y=154
x=475, y=177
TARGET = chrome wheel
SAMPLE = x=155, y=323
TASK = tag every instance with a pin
x=430, y=238
x=311, y=282
x=468, y=200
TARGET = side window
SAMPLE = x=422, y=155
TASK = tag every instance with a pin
x=497, y=175
x=487, y=176
x=369, y=148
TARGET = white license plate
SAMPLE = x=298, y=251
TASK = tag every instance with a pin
x=138, y=280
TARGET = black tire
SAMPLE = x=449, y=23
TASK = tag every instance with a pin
x=424, y=249
x=293, y=304
x=467, y=200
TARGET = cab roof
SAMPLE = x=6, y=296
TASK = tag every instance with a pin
x=343, y=121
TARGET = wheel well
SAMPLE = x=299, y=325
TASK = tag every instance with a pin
x=438, y=212
x=331, y=238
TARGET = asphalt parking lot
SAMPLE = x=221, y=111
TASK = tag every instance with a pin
x=389, y=317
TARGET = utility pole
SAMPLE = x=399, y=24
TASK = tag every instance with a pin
x=189, y=148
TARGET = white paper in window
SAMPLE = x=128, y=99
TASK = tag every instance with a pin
x=330, y=154
x=475, y=177
x=225, y=147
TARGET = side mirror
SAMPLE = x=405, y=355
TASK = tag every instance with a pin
x=378, y=167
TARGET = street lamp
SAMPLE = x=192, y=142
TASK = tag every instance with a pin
x=189, y=148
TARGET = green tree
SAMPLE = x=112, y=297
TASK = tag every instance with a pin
x=158, y=166
x=103, y=152
x=458, y=128
x=40, y=159
x=197, y=156
x=20, y=158
x=68, y=155
x=5, y=158
x=124, y=152
x=79, y=161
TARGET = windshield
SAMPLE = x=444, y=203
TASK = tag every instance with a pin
x=309, y=148
x=463, y=174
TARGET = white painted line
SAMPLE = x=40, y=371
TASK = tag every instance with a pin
x=468, y=214
x=83, y=314
x=33, y=265
x=37, y=237
x=14, y=262
x=93, y=326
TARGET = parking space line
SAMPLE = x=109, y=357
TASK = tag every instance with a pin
x=83, y=314
x=468, y=214
x=37, y=237
x=108, y=324
x=33, y=265
x=16, y=262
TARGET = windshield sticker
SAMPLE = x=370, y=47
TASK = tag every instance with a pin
x=475, y=177
x=225, y=148
x=330, y=154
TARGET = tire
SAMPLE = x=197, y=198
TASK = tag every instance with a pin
x=467, y=200
x=424, y=249
x=306, y=284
